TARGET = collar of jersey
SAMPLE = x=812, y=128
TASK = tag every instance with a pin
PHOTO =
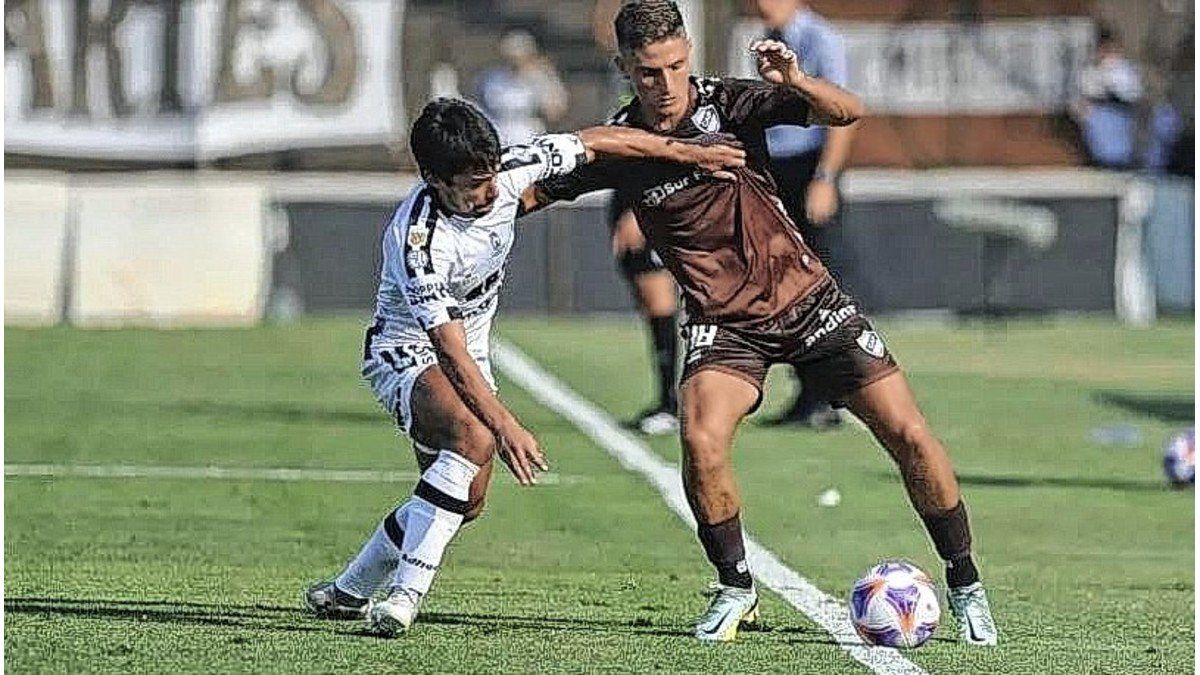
x=448, y=216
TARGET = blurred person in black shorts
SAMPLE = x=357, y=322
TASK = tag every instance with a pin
x=655, y=293
x=806, y=161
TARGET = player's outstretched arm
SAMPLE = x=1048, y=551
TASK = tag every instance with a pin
x=829, y=104
x=517, y=447
x=625, y=143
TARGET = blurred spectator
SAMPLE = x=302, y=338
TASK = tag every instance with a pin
x=1109, y=91
x=1165, y=129
x=525, y=95
x=806, y=161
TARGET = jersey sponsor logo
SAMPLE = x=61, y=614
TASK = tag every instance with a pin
x=659, y=193
x=699, y=338
x=871, y=343
x=417, y=258
x=830, y=320
x=424, y=292
x=706, y=119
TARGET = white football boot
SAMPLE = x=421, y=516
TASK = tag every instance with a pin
x=971, y=611
x=729, y=609
x=326, y=601
x=658, y=423
x=394, y=615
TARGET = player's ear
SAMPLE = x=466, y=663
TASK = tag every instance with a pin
x=619, y=62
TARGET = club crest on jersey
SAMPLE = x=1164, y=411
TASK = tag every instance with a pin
x=706, y=119
x=871, y=343
x=496, y=242
x=418, y=237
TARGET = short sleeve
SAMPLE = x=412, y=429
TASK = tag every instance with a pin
x=541, y=158
x=757, y=103
x=423, y=269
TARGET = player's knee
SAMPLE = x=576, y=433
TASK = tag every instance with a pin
x=706, y=450
x=910, y=439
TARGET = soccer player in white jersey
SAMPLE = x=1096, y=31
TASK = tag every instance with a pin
x=426, y=355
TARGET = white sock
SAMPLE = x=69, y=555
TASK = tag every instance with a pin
x=431, y=519
x=376, y=562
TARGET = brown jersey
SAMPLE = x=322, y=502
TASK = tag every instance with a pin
x=731, y=246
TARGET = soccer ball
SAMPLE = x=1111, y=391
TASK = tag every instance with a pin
x=894, y=605
x=1179, y=458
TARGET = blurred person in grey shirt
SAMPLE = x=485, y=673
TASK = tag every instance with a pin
x=806, y=161
x=525, y=95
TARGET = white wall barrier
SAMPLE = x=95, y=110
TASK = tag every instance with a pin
x=35, y=231
x=169, y=249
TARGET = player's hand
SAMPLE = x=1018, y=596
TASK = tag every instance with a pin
x=821, y=202
x=520, y=452
x=717, y=154
x=777, y=63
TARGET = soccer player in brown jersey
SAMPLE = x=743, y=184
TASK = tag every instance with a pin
x=756, y=295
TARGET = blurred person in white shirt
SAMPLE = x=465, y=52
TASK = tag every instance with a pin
x=525, y=95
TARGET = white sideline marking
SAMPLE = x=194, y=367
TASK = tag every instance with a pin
x=231, y=473
x=827, y=611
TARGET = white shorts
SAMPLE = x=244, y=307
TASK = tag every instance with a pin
x=392, y=373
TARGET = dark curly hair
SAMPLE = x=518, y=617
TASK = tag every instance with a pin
x=452, y=137
x=642, y=22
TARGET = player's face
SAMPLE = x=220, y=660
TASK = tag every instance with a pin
x=659, y=73
x=470, y=194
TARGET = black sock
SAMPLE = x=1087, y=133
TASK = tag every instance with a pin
x=951, y=535
x=666, y=345
x=725, y=550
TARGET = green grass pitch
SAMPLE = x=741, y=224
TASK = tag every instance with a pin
x=1088, y=557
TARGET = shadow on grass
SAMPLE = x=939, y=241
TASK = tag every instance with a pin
x=640, y=626
x=1070, y=482
x=1177, y=408
x=257, y=617
x=1118, y=484
x=293, y=619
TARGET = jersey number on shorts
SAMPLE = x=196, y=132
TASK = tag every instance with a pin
x=699, y=337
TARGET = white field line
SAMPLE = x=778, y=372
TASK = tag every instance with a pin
x=827, y=611
x=232, y=473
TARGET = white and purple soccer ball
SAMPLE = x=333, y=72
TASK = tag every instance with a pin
x=895, y=605
x=1179, y=458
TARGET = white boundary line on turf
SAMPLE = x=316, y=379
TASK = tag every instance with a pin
x=827, y=611
x=235, y=473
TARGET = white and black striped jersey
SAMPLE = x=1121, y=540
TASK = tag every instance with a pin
x=440, y=267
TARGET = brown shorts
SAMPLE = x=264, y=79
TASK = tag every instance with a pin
x=833, y=347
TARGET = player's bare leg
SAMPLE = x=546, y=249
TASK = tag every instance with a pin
x=347, y=597
x=442, y=499
x=454, y=451
x=890, y=410
x=712, y=404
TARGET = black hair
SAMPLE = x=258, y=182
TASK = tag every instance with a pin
x=452, y=137
x=643, y=22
